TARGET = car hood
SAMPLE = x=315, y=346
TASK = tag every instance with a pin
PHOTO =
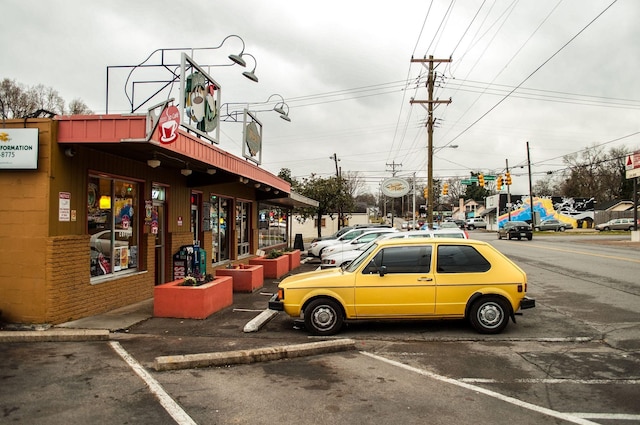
x=309, y=278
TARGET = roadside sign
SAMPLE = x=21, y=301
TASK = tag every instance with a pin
x=632, y=165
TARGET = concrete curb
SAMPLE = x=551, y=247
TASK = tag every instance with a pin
x=260, y=320
x=189, y=361
x=58, y=335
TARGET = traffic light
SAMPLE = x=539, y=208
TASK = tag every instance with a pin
x=481, y=180
x=508, y=175
x=499, y=182
x=445, y=189
x=425, y=192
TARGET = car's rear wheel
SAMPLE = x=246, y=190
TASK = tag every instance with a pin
x=499, y=235
x=537, y=229
x=562, y=229
x=323, y=317
x=489, y=315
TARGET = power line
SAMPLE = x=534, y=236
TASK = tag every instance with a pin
x=534, y=72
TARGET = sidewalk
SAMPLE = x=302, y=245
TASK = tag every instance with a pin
x=165, y=343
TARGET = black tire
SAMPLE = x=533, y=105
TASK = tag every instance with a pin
x=562, y=229
x=471, y=227
x=489, y=315
x=607, y=229
x=537, y=229
x=323, y=316
x=499, y=235
x=518, y=237
x=529, y=237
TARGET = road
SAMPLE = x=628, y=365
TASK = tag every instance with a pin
x=575, y=358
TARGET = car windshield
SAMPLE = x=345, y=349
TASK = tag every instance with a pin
x=360, y=258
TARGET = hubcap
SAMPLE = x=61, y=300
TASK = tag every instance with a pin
x=490, y=315
x=323, y=317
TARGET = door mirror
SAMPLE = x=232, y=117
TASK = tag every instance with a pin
x=382, y=270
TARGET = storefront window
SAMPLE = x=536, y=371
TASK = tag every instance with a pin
x=112, y=225
x=272, y=226
x=243, y=210
x=219, y=228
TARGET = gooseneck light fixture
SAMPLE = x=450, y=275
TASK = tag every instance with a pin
x=251, y=74
x=230, y=112
x=162, y=61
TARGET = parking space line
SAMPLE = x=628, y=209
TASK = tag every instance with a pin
x=180, y=416
x=553, y=381
x=613, y=416
x=543, y=410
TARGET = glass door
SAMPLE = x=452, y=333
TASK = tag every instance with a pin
x=158, y=229
x=220, y=229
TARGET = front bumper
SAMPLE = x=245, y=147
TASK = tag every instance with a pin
x=527, y=303
x=275, y=303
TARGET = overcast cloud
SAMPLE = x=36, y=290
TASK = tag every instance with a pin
x=344, y=69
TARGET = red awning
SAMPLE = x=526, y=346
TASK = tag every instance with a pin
x=126, y=135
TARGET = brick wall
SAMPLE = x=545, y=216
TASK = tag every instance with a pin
x=70, y=295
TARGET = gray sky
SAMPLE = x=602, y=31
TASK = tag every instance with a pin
x=344, y=69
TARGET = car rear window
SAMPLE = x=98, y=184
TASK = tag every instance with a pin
x=460, y=259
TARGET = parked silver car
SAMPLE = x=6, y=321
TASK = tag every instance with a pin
x=616, y=224
x=552, y=224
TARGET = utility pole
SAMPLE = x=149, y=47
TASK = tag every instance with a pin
x=335, y=159
x=393, y=166
x=533, y=216
x=430, y=102
x=508, y=191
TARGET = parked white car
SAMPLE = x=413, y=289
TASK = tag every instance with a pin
x=356, y=242
x=316, y=247
x=341, y=258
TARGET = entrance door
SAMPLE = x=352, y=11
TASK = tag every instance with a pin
x=159, y=212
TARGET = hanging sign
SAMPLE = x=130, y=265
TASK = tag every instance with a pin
x=168, y=124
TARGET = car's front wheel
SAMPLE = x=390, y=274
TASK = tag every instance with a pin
x=561, y=229
x=489, y=315
x=323, y=317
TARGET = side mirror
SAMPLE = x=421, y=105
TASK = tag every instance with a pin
x=382, y=270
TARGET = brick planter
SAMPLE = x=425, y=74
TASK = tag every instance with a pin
x=246, y=278
x=273, y=267
x=294, y=258
x=192, y=302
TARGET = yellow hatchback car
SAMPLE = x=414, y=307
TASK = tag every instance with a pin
x=411, y=278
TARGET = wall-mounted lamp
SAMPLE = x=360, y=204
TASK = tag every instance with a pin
x=186, y=171
x=243, y=180
x=153, y=163
x=268, y=189
x=211, y=171
x=275, y=192
x=70, y=152
x=283, y=114
x=256, y=185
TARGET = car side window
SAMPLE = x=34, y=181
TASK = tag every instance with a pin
x=402, y=259
x=460, y=259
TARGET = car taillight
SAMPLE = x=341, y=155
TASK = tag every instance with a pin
x=466, y=235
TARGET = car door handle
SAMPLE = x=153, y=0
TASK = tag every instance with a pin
x=425, y=279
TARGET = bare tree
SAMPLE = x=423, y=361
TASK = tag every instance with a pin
x=20, y=101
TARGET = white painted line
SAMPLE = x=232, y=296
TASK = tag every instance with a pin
x=247, y=310
x=553, y=381
x=172, y=408
x=545, y=411
x=614, y=416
